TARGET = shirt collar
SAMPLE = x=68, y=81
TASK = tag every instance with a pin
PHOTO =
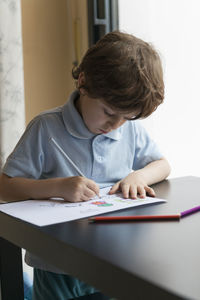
x=75, y=124
x=115, y=134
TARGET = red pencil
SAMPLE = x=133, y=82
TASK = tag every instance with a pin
x=136, y=218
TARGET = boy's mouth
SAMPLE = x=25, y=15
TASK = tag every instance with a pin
x=104, y=131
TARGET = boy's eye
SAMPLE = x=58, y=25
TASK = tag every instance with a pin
x=107, y=113
x=113, y=115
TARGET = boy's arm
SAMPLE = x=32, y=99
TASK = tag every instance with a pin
x=155, y=171
x=73, y=189
x=138, y=181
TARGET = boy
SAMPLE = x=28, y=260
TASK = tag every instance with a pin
x=119, y=80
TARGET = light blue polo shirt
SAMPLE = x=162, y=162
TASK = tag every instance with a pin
x=104, y=158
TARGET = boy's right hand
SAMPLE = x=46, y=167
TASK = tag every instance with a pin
x=77, y=188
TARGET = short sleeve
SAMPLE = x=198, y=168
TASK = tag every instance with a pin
x=146, y=150
x=27, y=158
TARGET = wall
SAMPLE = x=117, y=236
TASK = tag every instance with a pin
x=54, y=36
x=173, y=27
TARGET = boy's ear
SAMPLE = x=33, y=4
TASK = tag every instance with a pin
x=81, y=82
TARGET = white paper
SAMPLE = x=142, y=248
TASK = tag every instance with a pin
x=46, y=212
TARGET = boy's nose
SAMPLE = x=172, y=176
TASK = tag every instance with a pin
x=117, y=122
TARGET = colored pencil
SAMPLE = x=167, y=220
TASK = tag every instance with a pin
x=67, y=157
x=175, y=217
x=190, y=211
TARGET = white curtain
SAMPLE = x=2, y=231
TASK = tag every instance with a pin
x=12, y=116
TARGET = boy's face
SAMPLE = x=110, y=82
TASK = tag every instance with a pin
x=98, y=116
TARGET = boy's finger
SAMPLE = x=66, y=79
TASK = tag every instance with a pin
x=133, y=192
x=150, y=191
x=114, y=188
x=89, y=193
x=93, y=186
x=141, y=192
x=84, y=197
x=125, y=190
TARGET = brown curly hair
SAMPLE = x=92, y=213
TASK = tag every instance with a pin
x=125, y=72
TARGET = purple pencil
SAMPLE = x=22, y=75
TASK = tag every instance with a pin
x=190, y=211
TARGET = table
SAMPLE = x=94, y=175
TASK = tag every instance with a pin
x=149, y=260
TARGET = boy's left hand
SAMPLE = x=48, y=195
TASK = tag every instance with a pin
x=131, y=186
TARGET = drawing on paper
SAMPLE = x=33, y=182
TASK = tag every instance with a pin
x=56, y=210
x=101, y=203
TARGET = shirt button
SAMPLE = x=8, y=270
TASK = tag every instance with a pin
x=100, y=158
